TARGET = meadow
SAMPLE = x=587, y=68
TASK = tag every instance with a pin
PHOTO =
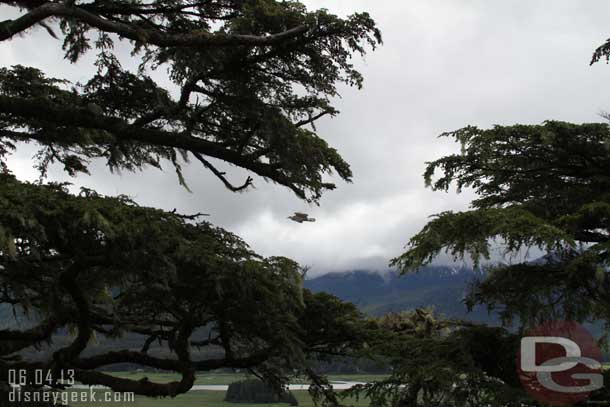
x=206, y=398
x=228, y=378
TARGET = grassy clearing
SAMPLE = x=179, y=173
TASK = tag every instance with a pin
x=202, y=399
x=208, y=398
x=356, y=377
x=228, y=378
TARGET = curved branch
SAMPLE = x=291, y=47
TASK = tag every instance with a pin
x=43, y=109
x=14, y=341
x=221, y=175
x=196, y=38
x=141, y=387
x=245, y=362
x=311, y=120
x=86, y=375
x=125, y=356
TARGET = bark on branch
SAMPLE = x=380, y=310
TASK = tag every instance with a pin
x=43, y=109
x=14, y=341
x=196, y=38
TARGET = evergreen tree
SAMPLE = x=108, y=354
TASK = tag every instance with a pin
x=253, y=77
x=539, y=187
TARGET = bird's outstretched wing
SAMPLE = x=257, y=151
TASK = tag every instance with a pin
x=301, y=217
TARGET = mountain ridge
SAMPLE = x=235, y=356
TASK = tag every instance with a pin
x=377, y=293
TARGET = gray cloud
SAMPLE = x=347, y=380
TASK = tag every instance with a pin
x=445, y=64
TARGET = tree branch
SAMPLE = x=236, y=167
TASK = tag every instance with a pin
x=245, y=362
x=43, y=109
x=312, y=119
x=141, y=387
x=126, y=356
x=13, y=341
x=9, y=28
x=221, y=175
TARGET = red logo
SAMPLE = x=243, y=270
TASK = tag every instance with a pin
x=559, y=363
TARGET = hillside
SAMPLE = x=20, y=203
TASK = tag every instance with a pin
x=375, y=293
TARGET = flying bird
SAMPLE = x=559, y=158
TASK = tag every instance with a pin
x=301, y=217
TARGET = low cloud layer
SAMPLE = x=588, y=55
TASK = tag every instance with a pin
x=445, y=64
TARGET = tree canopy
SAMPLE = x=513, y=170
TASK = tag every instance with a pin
x=541, y=187
x=439, y=361
x=251, y=78
x=107, y=267
x=541, y=190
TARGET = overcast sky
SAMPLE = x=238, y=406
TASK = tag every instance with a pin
x=444, y=65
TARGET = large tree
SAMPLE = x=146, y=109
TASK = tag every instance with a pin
x=543, y=191
x=438, y=361
x=251, y=78
x=542, y=187
x=106, y=268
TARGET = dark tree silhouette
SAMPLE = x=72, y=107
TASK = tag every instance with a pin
x=543, y=187
x=252, y=78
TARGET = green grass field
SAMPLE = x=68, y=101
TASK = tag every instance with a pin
x=203, y=399
x=216, y=398
x=228, y=378
x=211, y=398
